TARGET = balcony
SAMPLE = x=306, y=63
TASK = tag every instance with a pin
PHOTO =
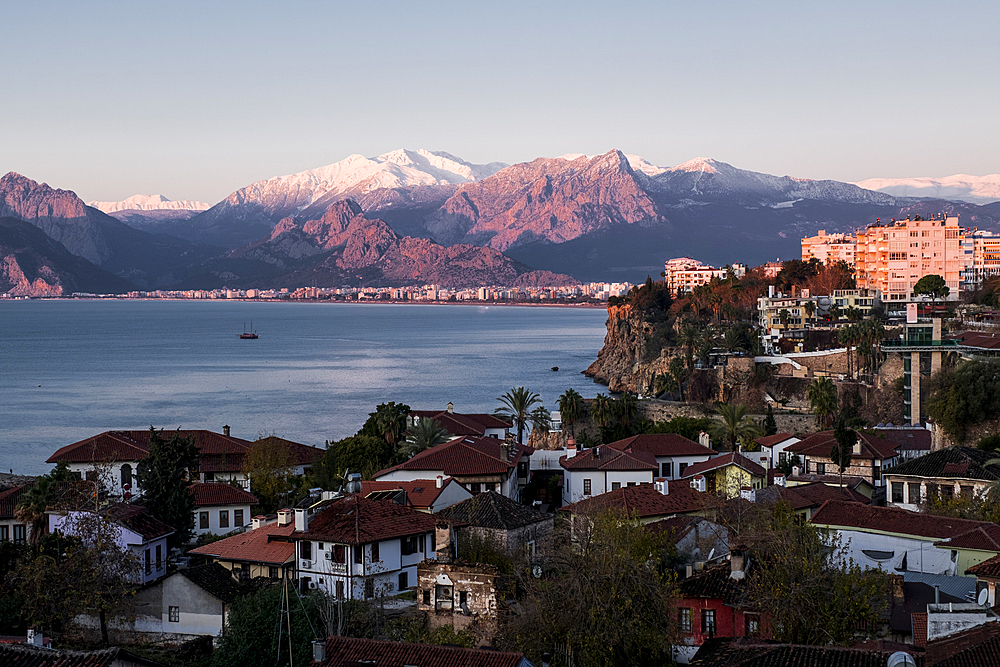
x=919, y=345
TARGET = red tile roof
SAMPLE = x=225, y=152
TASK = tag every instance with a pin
x=771, y=440
x=890, y=520
x=462, y=424
x=605, y=458
x=9, y=500
x=207, y=494
x=137, y=519
x=420, y=493
x=919, y=620
x=816, y=493
x=982, y=538
x=464, y=457
x=978, y=646
x=819, y=444
x=644, y=500
x=267, y=544
x=988, y=568
x=662, y=444
x=12, y=655
x=732, y=458
x=356, y=520
x=349, y=651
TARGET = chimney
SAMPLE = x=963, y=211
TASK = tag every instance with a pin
x=570, y=451
x=225, y=430
x=796, y=471
x=857, y=446
x=301, y=519
x=704, y=440
x=319, y=650
x=736, y=564
x=779, y=480
x=688, y=571
x=748, y=494
x=442, y=541
x=284, y=517
x=258, y=521
x=698, y=483
x=36, y=637
x=439, y=481
x=937, y=594
x=597, y=452
x=451, y=407
x=661, y=485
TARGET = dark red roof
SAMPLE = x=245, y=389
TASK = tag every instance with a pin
x=988, y=568
x=464, y=457
x=357, y=520
x=352, y=652
x=462, y=424
x=267, y=544
x=732, y=458
x=12, y=655
x=819, y=444
x=750, y=652
x=662, y=444
x=815, y=494
x=771, y=440
x=978, y=646
x=605, y=458
x=9, y=500
x=983, y=538
x=207, y=494
x=644, y=500
x=420, y=493
x=891, y=520
x=137, y=519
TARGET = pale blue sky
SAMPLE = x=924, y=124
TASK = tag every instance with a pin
x=194, y=100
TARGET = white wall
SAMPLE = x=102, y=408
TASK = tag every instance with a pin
x=676, y=461
x=214, y=521
x=772, y=453
x=452, y=494
x=921, y=554
x=601, y=481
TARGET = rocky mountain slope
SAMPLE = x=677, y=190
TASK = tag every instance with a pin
x=344, y=247
x=33, y=264
x=144, y=259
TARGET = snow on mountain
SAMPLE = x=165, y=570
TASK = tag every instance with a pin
x=148, y=203
x=960, y=187
x=357, y=175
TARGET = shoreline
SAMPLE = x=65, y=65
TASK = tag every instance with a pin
x=386, y=302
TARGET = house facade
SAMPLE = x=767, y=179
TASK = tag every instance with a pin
x=517, y=529
x=189, y=603
x=601, y=469
x=947, y=473
x=728, y=474
x=13, y=529
x=646, y=502
x=220, y=508
x=266, y=550
x=460, y=595
x=425, y=495
x=477, y=425
x=870, y=457
x=773, y=450
x=673, y=452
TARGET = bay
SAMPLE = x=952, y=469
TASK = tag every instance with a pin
x=70, y=369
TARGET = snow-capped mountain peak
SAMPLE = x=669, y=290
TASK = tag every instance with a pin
x=148, y=203
x=961, y=187
x=705, y=165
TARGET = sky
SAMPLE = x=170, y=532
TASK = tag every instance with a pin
x=195, y=100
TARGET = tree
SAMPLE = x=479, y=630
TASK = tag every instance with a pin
x=33, y=503
x=964, y=396
x=770, y=426
x=570, y=408
x=600, y=410
x=810, y=307
x=516, y=407
x=735, y=426
x=363, y=454
x=541, y=420
x=845, y=438
x=783, y=316
x=626, y=409
x=679, y=373
x=605, y=597
x=164, y=478
x=426, y=433
x=388, y=422
x=269, y=467
x=932, y=285
x=822, y=396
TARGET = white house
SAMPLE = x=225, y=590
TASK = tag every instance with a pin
x=355, y=548
x=426, y=495
x=772, y=450
x=220, y=508
x=601, y=469
x=131, y=528
x=673, y=452
x=190, y=602
x=12, y=529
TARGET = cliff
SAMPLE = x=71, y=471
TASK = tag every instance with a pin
x=630, y=358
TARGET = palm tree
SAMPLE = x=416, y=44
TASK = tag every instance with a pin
x=541, y=419
x=517, y=404
x=600, y=410
x=690, y=336
x=663, y=382
x=783, y=316
x=735, y=426
x=810, y=307
x=823, y=399
x=390, y=420
x=570, y=408
x=423, y=435
x=679, y=374
x=32, y=505
x=627, y=407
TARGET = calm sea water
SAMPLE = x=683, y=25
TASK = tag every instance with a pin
x=71, y=369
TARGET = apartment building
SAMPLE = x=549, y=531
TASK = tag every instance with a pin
x=683, y=274
x=829, y=248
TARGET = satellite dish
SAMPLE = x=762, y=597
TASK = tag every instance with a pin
x=983, y=596
x=537, y=571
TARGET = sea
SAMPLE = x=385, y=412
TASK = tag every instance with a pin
x=70, y=369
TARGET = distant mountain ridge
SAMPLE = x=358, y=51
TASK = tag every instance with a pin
x=148, y=203
x=959, y=187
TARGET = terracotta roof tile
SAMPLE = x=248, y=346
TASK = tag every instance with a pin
x=890, y=520
x=9, y=500
x=348, y=652
x=268, y=544
x=715, y=583
x=662, y=444
x=988, y=568
x=207, y=494
x=919, y=619
x=749, y=652
x=356, y=520
x=494, y=510
x=12, y=655
x=464, y=456
x=957, y=462
x=771, y=440
x=214, y=579
x=420, y=493
x=137, y=519
x=462, y=424
x=819, y=444
x=732, y=458
x=811, y=495
x=644, y=500
x=983, y=538
x=605, y=458
x=907, y=439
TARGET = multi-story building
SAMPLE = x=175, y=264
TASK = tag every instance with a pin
x=683, y=274
x=829, y=248
x=982, y=256
x=892, y=257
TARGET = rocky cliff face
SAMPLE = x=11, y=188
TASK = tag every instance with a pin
x=553, y=200
x=625, y=363
x=343, y=244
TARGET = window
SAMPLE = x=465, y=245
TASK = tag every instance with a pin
x=966, y=492
x=272, y=572
x=159, y=557
x=897, y=492
x=359, y=554
x=237, y=518
x=666, y=469
x=403, y=583
x=932, y=490
x=427, y=596
x=375, y=556
x=684, y=619
x=20, y=534
x=203, y=520
x=708, y=621
x=782, y=456
x=751, y=625
x=369, y=588
x=475, y=487
x=339, y=553
x=820, y=468
x=147, y=562
x=410, y=544
x=175, y=614
x=586, y=487
x=530, y=548
x=4, y=534
x=305, y=550
x=913, y=493
x=632, y=483
x=126, y=476
x=680, y=469
x=615, y=486
x=223, y=518
x=463, y=598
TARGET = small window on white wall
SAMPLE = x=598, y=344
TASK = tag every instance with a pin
x=175, y=614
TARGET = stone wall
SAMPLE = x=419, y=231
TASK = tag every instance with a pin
x=476, y=580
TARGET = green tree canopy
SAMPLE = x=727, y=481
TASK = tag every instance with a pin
x=425, y=434
x=964, y=396
x=770, y=426
x=822, y=395
x=364, y=454
x=932, y=285
x=516, y=405
x=270, y=468
x=387, y=422
x=735, y=426
x=570, y=409
x=165, y=481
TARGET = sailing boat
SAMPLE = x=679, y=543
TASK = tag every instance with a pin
x=248, y=334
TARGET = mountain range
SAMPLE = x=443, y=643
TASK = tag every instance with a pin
x=418, y=216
